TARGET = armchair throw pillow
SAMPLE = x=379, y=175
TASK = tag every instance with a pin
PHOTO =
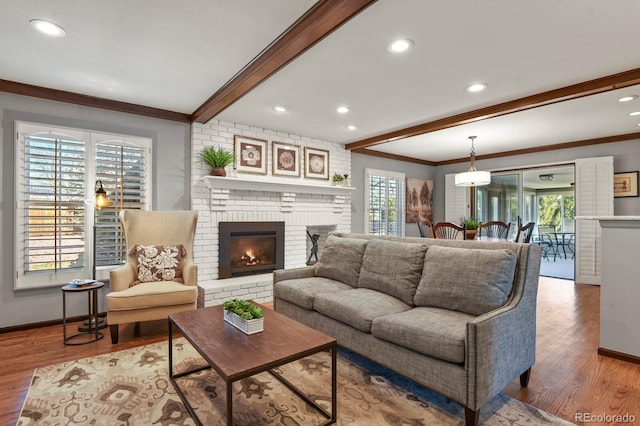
x=158, y=263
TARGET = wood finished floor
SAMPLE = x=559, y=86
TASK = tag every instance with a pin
x=569, y=376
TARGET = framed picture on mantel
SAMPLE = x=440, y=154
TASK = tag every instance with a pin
x=286, y=159
x=251, y=154
x=625, y=184
x=316, y=163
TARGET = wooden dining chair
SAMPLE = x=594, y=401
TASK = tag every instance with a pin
x=494, y=229
x=448, y=231
x=525, y=232
x=425, y=228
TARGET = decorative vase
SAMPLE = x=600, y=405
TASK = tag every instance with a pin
x=218, y=171
x=246, y=326
x=471, y=234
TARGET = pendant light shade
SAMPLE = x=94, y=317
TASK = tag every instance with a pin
x=101, y=196
x=473, y=177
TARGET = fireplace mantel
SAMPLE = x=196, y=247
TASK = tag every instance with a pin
x=221, y=186
x=215, y=182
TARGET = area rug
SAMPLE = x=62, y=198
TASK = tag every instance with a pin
x=131, y=387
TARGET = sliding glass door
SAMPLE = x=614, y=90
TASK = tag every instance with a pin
x=500, y=201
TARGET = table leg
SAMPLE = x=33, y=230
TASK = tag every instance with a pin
x=334, y=386
x=229, y=403
x=64, y=317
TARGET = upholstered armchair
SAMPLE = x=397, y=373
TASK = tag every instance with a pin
x=159, y=277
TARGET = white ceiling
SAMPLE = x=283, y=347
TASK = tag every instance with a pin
x=175, y=55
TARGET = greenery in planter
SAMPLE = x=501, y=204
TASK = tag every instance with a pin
x=470, y=223
x=217, y=157
x=338, y=178
x=245, y=310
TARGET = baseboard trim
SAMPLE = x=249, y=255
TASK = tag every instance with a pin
x=619, y=355
x=25, y=327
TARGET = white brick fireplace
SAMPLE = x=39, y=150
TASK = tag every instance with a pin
x=302, y=204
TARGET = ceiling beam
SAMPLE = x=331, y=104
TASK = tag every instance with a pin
x=90, y=101
x=523, y=151
x=591, y=87
x=317, y=23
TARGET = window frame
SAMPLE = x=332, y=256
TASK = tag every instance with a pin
x=41, y=279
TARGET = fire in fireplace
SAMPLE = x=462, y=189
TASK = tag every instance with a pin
x=248, y=248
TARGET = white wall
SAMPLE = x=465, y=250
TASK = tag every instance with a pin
x=172, y=189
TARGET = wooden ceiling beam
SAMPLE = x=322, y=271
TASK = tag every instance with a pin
x=591, y=87
x=317, y=23
x=90, y=101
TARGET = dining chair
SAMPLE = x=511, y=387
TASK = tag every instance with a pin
x=525, y=232
x=494, y=229
x=547, y=241
x=448, y=231
x=425, y=228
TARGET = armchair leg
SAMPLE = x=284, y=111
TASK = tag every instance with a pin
x=113, y=329
x=472, y=417
x=524, y=378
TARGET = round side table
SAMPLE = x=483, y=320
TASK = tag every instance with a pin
x=92, y=331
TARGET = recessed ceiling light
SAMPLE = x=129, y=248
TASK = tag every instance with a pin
x=399, y=46
x=351, y=127
x=476, y=87
x=48, y=28
x=342, y=109
x=280, y=108
x=634, y=113
x=627, y=98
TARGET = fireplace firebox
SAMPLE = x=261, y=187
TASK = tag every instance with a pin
x=248, y=248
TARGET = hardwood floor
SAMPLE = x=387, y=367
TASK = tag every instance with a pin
x=569, y=377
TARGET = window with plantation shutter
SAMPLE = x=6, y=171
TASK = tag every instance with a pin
x=57, y=225
x=384, y=214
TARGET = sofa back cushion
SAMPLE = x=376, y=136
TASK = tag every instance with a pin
x=341, y=259
x=393, y=268
x=474, y=281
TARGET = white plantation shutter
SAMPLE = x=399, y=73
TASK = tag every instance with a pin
x=456, y=200
x=122, y=170
x=385, y=203
x=56, y=172
x=594, y=197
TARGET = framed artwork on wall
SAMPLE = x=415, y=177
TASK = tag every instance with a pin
x=285, y=159
x=316, y=163
x=251, y=154
x=419, y=200
x=625, y=184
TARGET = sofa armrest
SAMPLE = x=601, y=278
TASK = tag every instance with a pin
x=290, y=274
x=501, y=344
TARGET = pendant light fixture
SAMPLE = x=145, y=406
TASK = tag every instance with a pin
x=473, y=177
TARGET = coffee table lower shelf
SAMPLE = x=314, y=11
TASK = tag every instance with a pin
x=267, y=367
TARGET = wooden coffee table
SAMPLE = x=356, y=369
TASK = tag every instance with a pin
x=235, y=355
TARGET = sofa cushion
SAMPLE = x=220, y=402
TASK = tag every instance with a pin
x=474, y=281
x=436, y=332
x=303, y=291
x=152, y=295
x=392, y=267
x=341, y=259
x=358, y=307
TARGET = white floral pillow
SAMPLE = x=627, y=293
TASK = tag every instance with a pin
x=158, y=263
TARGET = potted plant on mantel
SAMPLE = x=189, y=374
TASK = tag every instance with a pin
x=244, y=315
x=471, y=228
x=217, y=159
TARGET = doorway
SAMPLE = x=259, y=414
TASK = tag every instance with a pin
x=544, y=195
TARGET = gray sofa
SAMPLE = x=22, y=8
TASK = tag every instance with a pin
x=458, y=317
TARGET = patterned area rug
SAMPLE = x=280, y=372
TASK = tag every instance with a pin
x=130, y=387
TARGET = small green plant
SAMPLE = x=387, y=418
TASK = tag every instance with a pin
x=245, y=310
x=470, y=223
x=217, y=157
x=337, y=177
